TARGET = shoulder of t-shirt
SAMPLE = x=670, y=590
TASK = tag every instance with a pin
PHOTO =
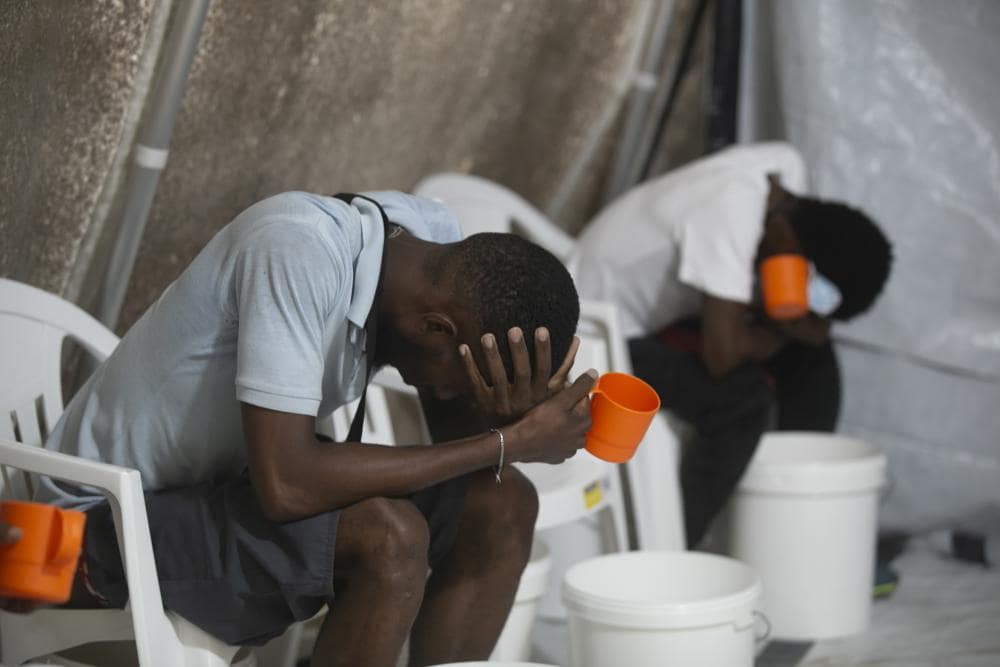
x=762, y=151
x=295, y=208
x=297, y=223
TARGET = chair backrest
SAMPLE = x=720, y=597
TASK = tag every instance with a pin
x=393, y=414
x=33, y=326
x=601, y=343
x=653, y=493
x=482, y=205
x=378, y=426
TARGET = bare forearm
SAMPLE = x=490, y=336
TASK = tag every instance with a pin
x=811, y=330
x=751, y=343
x=733, y=336
x=760, y=342
x=295, y=476
x=320, y=477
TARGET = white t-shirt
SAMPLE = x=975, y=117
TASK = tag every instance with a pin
x=656, y=250
x=271, y=312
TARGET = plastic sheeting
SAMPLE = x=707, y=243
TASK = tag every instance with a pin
x=895, y=105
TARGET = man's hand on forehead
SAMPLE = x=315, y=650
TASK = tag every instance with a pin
x=502, y=399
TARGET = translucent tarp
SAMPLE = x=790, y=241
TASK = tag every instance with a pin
x=895, y=105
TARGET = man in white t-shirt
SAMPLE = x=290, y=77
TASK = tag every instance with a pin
x=679, y=256
x=214, y=393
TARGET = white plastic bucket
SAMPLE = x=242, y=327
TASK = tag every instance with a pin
x=494, y=663
x=805, y=518
x=515, y=639
x=662, y=609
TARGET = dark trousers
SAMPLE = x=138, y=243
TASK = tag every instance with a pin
x=797, y=389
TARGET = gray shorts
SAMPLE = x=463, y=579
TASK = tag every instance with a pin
x=227, y=569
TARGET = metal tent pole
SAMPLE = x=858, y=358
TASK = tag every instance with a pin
x=149, y=155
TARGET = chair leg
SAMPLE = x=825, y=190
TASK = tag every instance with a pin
x=614, y=533
x=613, y=518
x=200, y=649
x=282, y=651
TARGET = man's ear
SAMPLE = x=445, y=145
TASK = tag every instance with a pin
x=438, y=323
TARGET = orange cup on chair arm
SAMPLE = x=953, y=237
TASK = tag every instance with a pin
x=621, y=411
x=42, y=563
x=784, y=281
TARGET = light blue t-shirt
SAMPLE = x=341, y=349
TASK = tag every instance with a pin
x=271, y=312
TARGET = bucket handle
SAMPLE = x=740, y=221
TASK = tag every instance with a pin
x=760, y=616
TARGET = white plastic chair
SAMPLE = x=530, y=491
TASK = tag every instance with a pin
x=33, y=325
x=585, y=493
x=585, y=485
x=378, y=427
x=482, y=205
x=653, y=484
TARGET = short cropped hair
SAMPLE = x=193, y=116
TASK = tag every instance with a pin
x=847, y=247
x=508, y=281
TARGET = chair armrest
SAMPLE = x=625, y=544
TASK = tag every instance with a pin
x=124, y=489
x=107, y=477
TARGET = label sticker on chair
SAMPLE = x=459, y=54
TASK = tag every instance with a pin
x=592, y=494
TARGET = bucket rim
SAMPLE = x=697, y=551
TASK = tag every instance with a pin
x=734, y=608
x=863, y=471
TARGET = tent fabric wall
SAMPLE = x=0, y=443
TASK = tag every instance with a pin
x=894, y=105
x=68, y=72
x=341, y=95
x=323, y=95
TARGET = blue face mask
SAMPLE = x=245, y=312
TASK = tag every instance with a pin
x=824, y=297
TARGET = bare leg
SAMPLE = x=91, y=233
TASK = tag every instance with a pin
x=472, y=590
x=381, y=565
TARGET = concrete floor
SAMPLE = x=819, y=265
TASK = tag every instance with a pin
x=943, y=613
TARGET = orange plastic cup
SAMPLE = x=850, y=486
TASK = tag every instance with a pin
x=40, y=565
x=621, y=410
x=784, y=280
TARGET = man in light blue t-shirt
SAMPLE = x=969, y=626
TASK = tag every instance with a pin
x=213, y=396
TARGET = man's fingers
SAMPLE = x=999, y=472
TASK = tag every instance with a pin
x=498, y=374
x=559, y=379
x=582, y=407
x=479, y=387
x=579, y=389
x=521, y=364
x=543, y=356
x=9, y=534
